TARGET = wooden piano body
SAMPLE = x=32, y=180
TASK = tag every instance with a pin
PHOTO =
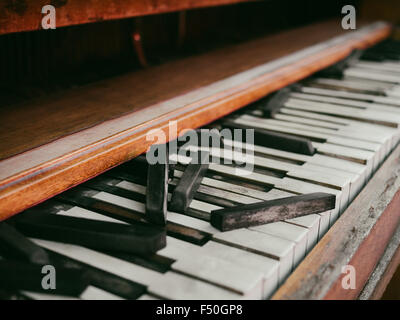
x=54, y=143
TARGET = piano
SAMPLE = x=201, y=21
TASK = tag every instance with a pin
x=78, y=194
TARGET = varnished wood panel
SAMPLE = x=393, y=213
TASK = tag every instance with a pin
x=358, y=238
x=188, y=91
x=20, y=15
x=34, y=123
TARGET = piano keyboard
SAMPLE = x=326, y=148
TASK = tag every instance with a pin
x=351, y=122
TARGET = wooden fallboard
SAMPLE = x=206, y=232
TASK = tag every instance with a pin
x=83, y=132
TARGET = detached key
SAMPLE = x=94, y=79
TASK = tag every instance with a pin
x=189, y=183
x=15, y=245
x=258, y=213
x=138, y=238
x=157, y=191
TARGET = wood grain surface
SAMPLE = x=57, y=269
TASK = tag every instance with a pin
x=17, y=16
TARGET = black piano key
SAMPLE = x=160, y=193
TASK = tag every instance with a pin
x=137, y=238
x=101, y=279
x=26, y=276
x=128, y=215
x=277, y=140
x=157, y=191
x=271, y=211
x=189, y=183
x=15, y=245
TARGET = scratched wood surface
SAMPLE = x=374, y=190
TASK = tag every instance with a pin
x=224, y=81
x=34, y=123
x=358, y=238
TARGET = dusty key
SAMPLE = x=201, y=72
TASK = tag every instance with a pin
x=189, y=183
x=289, y=232
x=157, y=191
x=271, y=211
x=15, y=245
x=136, y=238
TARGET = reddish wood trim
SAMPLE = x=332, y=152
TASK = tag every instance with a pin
x=17, y=16
x=358, y=238
x=37, y=184
x=387, y=275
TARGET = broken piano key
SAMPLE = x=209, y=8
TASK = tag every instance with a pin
x=138, y=238
x=259, y=213
x=157, y=188
x=189, y=183
x=276, y=140
x=14, y=245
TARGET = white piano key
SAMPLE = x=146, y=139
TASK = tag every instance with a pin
x=324, y=223
x=237, y=278
x=189, y=222
x=316, y=159
x=379, y=129
x=365, y=73
x=368, y=115
x=323, y=177
x=344, y=131
x=220, y=193
x=379, y=143
x=203, y=206
x=311, y=222
x=189, y=257
x=169, y=285
x=140, y=207
x=353, y=83
x=132, y=187
x=360, y=156
x=376, y=66
x=341, y=201
x=356, y=183
x=346, y=102
x=94, y=293
x=264, y=244
x=290, y=232
x=269, y=267
x=78, y=212
x=295, y=122
x=352, y=95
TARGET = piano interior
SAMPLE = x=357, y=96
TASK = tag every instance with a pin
x=303, y=204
